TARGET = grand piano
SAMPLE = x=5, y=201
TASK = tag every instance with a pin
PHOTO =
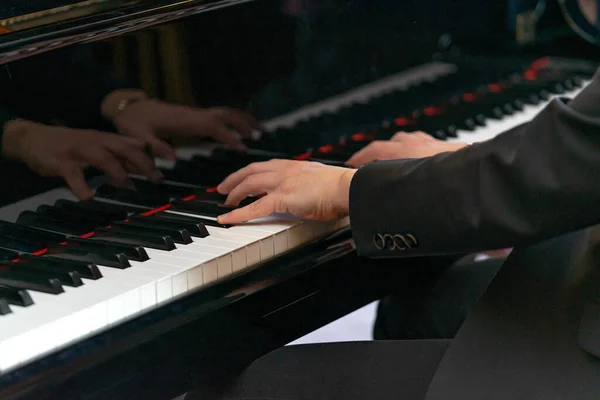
x=141, y=293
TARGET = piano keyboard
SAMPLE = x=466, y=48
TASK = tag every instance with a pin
x=69, y=284
x=71, y=269
x=447, y=103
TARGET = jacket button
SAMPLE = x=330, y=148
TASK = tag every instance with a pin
x=378, y=241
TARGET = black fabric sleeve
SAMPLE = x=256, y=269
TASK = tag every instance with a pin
x=533, y=182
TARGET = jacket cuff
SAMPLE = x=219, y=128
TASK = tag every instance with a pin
x=378, y=199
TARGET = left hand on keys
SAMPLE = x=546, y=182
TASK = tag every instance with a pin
x=402, y=145
x=305, y=189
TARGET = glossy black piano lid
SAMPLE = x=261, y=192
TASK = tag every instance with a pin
x=265, y=56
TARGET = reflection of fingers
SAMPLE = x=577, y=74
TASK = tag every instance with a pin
x=258, y=209
x=73, y=175
x=131, y=156
x=253, y=185
x=237, y=122
x=241, y=121
x=144, y=165
x=254, y=123
x=221, y=134
x=134, y=141
x=162, y=149
x=159, y=148
x=240, y=175
x=105, y=161
x=131, y=168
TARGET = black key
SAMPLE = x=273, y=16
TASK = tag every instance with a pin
x=105, y=247
x=216, y=198
x=238, y=159
x=4, y=307
x=194, y=229
x=118, y=261
x=201, y=171
x=190, y=218
x=24, y=279
x=120, y=236
x=18, y=297
x=88, y=220
x=36, y=220
x=66, y=276
x=19, y=245
x=37, y=237
x=107, y=210
x=200, y=208
x=219, y=165
x=7, y=255
x=77, y=214
x=213, y=197
x=131, y=196
x=178, y=235
x=84, y=269
x=165, y=188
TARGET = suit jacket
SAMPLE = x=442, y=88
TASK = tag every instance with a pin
x=531, y=183
x=535, y=334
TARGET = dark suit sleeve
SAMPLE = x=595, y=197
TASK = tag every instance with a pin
x=534, y=182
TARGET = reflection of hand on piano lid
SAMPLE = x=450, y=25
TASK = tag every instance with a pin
x=65, y=152
x=403, y=145
x=135, y=115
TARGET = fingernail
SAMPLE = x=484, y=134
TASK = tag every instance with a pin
x=222, y=219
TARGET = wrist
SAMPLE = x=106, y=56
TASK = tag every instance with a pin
x=118, y=101
x=344, y=190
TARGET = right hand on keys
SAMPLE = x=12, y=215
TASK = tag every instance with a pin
x=65, y=152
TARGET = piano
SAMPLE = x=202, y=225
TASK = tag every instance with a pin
x=141, y=293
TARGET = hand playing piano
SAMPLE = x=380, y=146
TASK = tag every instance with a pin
x=65, y=152
x=403, y=145
x=305, y=189
x=154, y=120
